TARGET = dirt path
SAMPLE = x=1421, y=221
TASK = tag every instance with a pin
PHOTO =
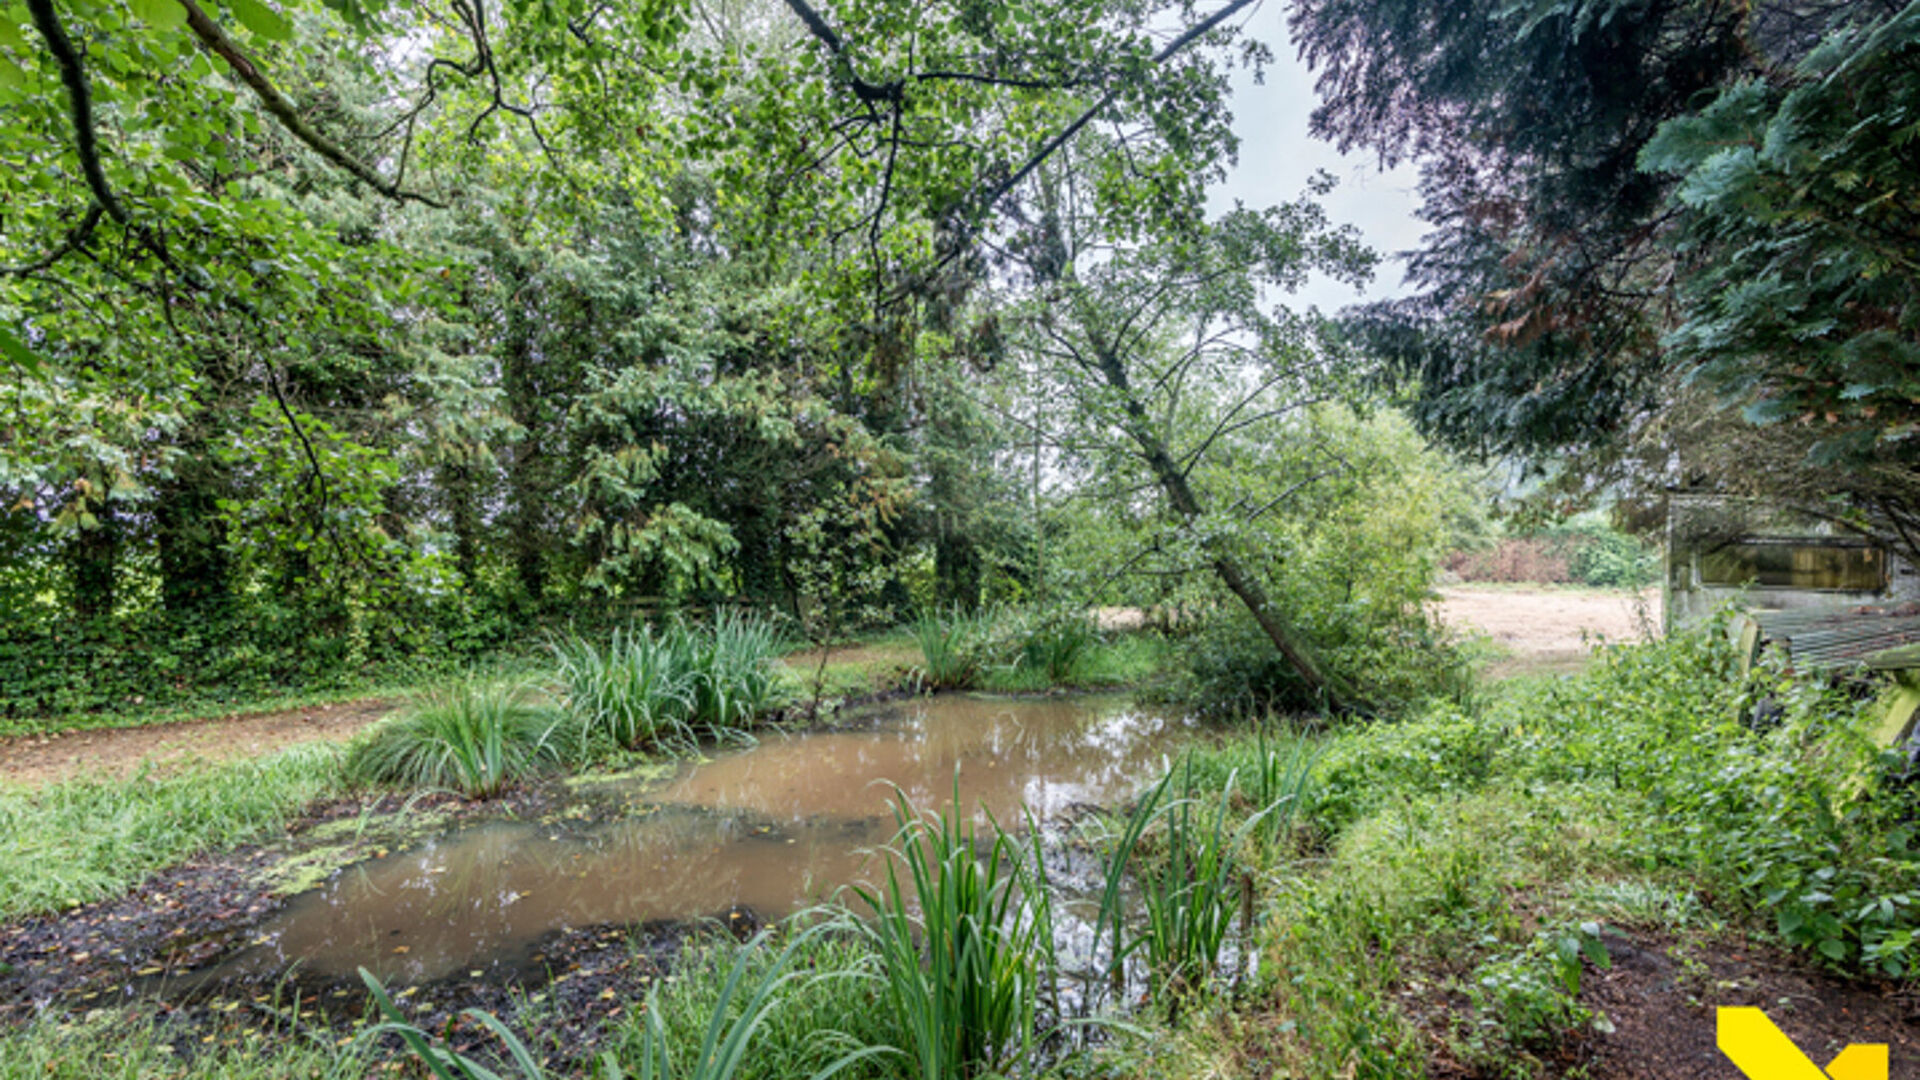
x=119, y=752
x=1548, y=631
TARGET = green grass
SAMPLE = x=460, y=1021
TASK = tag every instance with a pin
x=88, y=840
x=228, y=704
x=834, y=1007
x=114, y=1044
x=469, y=736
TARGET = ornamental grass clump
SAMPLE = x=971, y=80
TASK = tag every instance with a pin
x=728, y=668
x=473, y=737
x=965, y=939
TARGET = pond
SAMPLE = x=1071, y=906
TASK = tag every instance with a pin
x=768, y=829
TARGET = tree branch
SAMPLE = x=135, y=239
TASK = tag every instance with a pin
x=76, y=237
x=215, y=40
x=80, y=102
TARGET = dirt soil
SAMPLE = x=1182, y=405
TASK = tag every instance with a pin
x=36, y=760
x=1660, y=998
x=1548, y=631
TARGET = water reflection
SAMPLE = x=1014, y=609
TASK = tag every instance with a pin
x=772, y=828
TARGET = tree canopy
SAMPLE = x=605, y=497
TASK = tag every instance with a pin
x=1634, y=199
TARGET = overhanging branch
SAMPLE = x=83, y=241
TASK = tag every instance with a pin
x=215, y=40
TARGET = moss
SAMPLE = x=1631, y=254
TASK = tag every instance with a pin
x=646, y=772
x=326, y=848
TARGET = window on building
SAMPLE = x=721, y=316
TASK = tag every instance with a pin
x=1796, y=564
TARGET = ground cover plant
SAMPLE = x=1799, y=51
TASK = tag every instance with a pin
x=1486, y=852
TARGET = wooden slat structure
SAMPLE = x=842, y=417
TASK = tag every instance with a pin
x=1868, y=637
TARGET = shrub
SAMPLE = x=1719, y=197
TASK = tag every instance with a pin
x=469, y=736
x=1529, y=998
x=1394, y=662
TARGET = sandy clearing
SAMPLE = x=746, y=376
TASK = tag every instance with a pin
x=1549, y=630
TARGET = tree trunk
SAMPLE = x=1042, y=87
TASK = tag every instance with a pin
x=1225, y=566
x=91, y=556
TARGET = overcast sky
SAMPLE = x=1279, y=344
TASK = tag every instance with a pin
x=1278, y=156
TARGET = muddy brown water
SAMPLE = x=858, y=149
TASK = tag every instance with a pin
x=770, y=829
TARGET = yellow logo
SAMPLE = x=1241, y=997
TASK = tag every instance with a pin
x=1764, y=1052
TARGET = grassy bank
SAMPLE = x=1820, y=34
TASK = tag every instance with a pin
x=1438, y=892
x=87, y=840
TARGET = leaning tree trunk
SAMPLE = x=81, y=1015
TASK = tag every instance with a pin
x=1225, y=566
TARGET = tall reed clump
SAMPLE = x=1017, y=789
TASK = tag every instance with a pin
x=1189, y=896
x=631, y=690
x=728, y=667
x=470, y=736
x=644, y=688
x=950, y=644
x=965, y=941
x=1180, y=847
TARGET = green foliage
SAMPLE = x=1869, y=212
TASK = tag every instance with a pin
x=1805, y=307
x=130, y=1044
x=1772, y=820
x=950, y=645
x=1529, y=998
x=729, y=667
x=87, y=840
x=1191, y=895
x=965, y=942
x=738, y=1003
x=447, y=1064
x=631, y=690
x=1034, y=648
x=470, y=736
